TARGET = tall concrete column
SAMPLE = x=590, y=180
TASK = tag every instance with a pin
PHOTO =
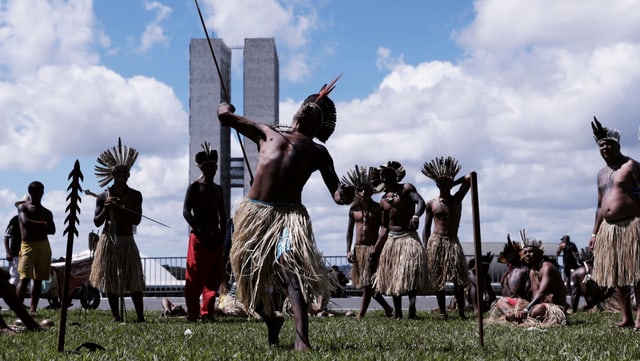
x=205, y=93
x=261, y=90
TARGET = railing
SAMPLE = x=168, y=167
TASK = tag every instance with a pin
x=165, y=276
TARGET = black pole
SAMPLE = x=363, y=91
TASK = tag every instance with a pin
x=478, y=252
x=72, y=220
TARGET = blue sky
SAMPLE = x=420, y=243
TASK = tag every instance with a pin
x=508, y=87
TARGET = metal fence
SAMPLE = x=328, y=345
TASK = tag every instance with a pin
x=165, y=276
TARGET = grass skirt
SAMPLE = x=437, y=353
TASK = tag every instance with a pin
x=257, y=265
x=362, y=270
x=616, y=253
x=554, y=316
x=116, y=265
x=401, y=267
x=445, y=262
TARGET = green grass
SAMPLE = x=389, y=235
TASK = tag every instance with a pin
x=587, y=337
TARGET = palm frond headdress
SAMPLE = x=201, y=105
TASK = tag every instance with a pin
x=206, y=155
x=361, y=176
x=441, y=167
x=110, y=159
x=601, y=133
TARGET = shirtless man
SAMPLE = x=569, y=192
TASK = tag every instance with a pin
x=401, y=266
x=616, y=231
x=117, y=267
x=204, y=211
x=549, y=301
x=445, y=257
x=36, y=223
x=273, y=253
x=364, y=217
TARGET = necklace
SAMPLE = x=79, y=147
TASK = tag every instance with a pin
x=392, y=197
x=611, y=171
x=365, y=215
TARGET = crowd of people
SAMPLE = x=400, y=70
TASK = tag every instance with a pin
x=270, y=249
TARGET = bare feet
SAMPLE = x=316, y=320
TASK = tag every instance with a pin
x=412, y=312
x=624, y=324
x=273, y=330
x=388, y=312
x=398, y=315
x=7, y=331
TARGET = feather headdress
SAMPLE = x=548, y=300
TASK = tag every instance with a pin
x=601, y=133
x=110, y=159
x=441, y=167
x=393, y=165
x=321, y=103
x=527, y=242
x=206, y=154
x=510, y=252
x=485, y=260
x=361, y=176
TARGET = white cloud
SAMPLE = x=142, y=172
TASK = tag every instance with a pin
x=34, y=33
x=153, y=32
x=515, y=109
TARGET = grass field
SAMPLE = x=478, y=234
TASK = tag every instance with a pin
x=588, y=336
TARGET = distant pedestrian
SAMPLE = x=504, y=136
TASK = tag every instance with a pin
x=36, y=224
x=570, y=258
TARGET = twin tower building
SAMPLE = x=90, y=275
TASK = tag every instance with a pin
x=260, y=103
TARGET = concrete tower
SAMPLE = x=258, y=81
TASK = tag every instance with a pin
x=261, y=96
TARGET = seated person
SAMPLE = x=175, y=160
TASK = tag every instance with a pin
x=549, y=294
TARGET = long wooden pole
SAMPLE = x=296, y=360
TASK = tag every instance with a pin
x=478, y=253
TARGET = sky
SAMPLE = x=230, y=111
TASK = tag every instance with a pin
x=507, y=87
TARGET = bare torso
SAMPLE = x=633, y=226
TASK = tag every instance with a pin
x=446, y=215
x=618, y=189
x=366, y=217
x=36, y=222
x=547, y=284
x=399, y=206
x=286, y=160
x=203, y=202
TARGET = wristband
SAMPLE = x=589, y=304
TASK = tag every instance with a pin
x=415, y=217
x=593, y=235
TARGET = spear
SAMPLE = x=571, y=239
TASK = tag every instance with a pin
x=72, y=220
x=90, y=193
x=224, y=89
